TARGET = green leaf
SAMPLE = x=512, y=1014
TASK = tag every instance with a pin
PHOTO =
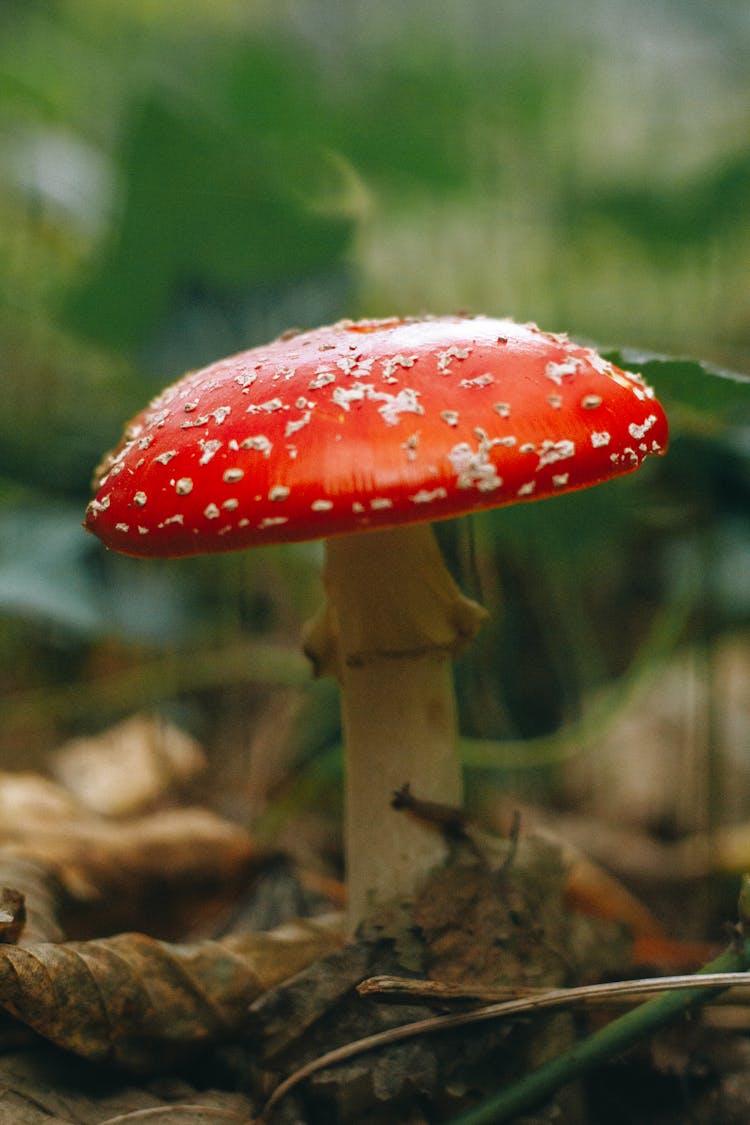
x=209, y=206
x=41, y=573
x=46, y=577
x=689, y=383
x=63, y=405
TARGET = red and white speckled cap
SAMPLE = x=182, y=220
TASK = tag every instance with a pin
x=369, y=424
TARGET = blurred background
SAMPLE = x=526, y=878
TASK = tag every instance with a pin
x=181, y=180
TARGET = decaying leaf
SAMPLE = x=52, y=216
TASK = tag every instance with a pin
x=142, y=1004
x=141, y=873
x=129, y=767
x=29, y=801
x=131, y=1000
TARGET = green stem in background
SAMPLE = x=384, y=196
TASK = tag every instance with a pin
x=584, y=734
x=156, y=679
x=536, y=1088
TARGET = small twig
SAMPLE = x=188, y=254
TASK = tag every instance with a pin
x=431, y=992
x=451, y=820
x=436, y=991
x=536, y=1088
x=553, y=998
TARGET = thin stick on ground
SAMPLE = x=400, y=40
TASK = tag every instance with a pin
x=536, y=1088
x=677, y=994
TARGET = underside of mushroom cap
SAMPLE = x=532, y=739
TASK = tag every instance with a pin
x=369, y=424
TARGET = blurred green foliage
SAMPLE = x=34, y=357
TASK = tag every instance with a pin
x=214, y=204
x=178, y=181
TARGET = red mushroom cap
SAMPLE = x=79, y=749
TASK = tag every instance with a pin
x=369, y=424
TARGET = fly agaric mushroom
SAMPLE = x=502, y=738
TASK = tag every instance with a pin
x=361, y=434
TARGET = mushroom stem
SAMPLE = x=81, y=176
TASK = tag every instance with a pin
x=394, y=620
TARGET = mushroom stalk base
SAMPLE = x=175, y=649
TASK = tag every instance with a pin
x=393, y=621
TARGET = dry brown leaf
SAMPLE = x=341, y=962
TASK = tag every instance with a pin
x=45, y=823
x=142, y=1004
x=148, y=872
x=129, y=767
x=29, y=801
x=90, y=854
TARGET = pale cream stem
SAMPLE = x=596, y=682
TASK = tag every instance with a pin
x=393, y=622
